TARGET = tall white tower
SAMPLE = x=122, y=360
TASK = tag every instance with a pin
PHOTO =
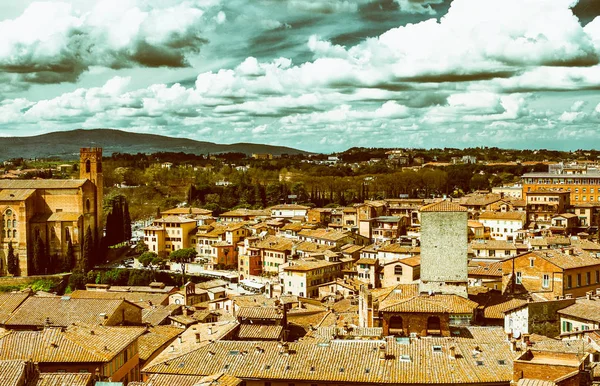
x=444, y=242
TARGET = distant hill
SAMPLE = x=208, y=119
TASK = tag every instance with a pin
x=66, y=144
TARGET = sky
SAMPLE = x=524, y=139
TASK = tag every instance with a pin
x=318, y=75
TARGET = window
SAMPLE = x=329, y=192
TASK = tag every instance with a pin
x=578, y=280
x=569, y=281
x=546, y=281
x=518, y=279
x=588, y=278
x=531, y=261
x=398, y=270
x=567, y=326
x=87, y=166
x=597, y=276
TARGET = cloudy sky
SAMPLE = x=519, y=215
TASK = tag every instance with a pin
x=320, y=75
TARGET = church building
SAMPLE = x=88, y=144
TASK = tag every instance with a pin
x=54, y=210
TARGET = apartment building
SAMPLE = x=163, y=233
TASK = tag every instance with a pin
x=503, y=225
x=303, y=277
x=583, y=185
x=169, y=234
x=552, y=273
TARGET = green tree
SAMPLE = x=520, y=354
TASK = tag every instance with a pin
x=141, y=247
x=77, y=280
x=183, y=256
x=39, y=256
x=11, y=261
x=68, y=260
x=126, y=222
x=87, y=255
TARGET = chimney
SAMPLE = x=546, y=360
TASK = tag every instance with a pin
x=513, y=345
x=589, y=295
x=382, y=352
x=172, y=348
x=197, y=337
x=508, y=336
x=452, y=352
x=210, y=331
x=568, y=296
x=180, y=339
x=525, y=339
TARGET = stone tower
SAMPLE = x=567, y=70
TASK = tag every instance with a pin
x=444, y=249
x=90, y=168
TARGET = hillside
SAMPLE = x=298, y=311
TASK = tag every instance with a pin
x=66, y=144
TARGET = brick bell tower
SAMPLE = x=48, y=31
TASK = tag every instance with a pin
x=90, y=168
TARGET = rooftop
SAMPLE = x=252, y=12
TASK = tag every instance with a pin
x=328, y=360
x=443, y=206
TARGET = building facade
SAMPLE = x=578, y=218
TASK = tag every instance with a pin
x=55, y=211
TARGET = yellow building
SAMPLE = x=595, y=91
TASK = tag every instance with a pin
x=169, y=234
x=54, y=210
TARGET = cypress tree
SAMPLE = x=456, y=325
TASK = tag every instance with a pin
x=68, y=261
x=11, y=260
x=39, y=256
x=126, y=223
x=88, y=251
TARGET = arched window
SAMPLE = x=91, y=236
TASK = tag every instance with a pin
x=398, y=270
x=14, y=223
x=8, y=223
x=15, y=233
x=87, y=205
x=88, y=166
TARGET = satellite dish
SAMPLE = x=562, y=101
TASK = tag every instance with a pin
x=517, y=334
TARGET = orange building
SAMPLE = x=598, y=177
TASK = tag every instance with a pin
x=551, y=273
x=583, y=187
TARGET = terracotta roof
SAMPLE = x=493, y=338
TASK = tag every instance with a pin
x=78, y=343
x=307, y=265
x=208, y=333
x=220, y=379
x=174, y=219
x=63, y=311
x=410, y=261
x=184, y=211
x=9, y=302
x=534, y=382
x=576, y=259
x=308, y=246
x=246, y=212
x=399, y=248
x=141, y=299
x=41, y=184
x=259, y=332
x=486, y=269
x=583, y=309
x=351, y=248
x=328, y=361
x=493, y=244
x=275, y=243
x=61, y=379
x=259, y=313
x=497, y=311
x=366, y=260
x=15, y=194
x=157, y=315
x=12, y=372
x=516, y=216
x=443, y=206
x=324, y=234
x=480, y=199
x=448, y=304
x=154, y=338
